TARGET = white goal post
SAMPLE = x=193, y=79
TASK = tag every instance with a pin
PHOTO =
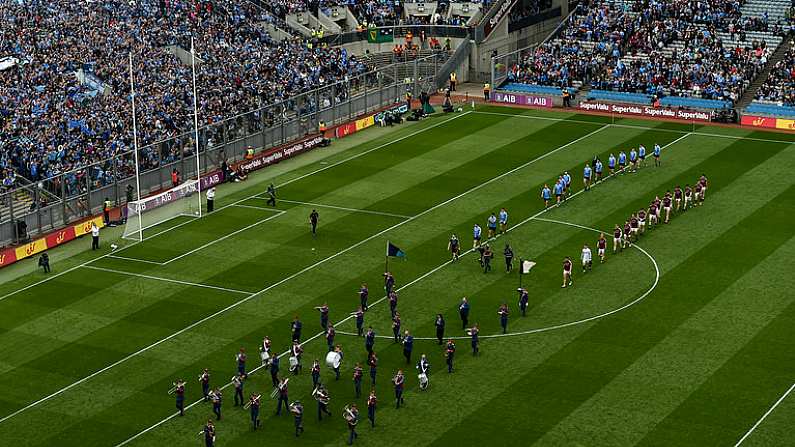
x=182, y=200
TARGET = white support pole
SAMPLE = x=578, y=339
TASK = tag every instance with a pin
x=135, y=150
x=196, y=125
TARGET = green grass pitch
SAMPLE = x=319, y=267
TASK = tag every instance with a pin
x=687, y=342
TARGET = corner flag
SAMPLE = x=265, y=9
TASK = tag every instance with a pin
x=393, y=251
x=526, y=267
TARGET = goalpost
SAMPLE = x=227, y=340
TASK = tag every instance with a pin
x=182, y=200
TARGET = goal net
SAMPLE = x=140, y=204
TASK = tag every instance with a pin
x=182, y=200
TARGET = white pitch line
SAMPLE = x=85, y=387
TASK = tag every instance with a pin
x=343, y=208
x=125, y=258
x=175, y=281
x=764, y=416
x=261, y=208
x=352, y=157
x=412, y=218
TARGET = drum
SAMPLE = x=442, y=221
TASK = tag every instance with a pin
x=423, y=378
x=293, y=362
x=333, y=359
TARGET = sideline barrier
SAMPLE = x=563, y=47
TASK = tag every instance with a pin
x=9, y=256
x=649, y=111
x=521, y=99
x=767, y=122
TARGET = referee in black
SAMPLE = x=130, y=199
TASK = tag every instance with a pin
x=313, y=217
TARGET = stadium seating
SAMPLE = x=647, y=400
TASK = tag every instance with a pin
x=770, y=109
x=535, y=89
x=609, y=95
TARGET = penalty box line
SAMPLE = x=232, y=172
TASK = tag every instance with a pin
x=435, y=207
x=764, y=416
x=341, y=208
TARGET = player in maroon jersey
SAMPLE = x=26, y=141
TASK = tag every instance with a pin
x=658, y=206
x=566, y=272
x=677, y=198
x=601, y=246
x=666, y=202
x=652, y=214
x=697, y=190
x=634, y=226
x=627, y=241
x=616, y=238
x=642, y=220
x=703, y=182
x=688, y=198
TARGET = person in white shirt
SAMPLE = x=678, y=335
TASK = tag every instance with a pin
x=210, y=199
x=586, y=258
x=94, y=236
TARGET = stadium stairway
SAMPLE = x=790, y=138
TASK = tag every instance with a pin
x=20, y=204
x=775, y=9
x=750, y=92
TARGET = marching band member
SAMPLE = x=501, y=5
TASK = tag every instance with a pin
x=372, y=404
x=393, y=302
x=241, y=361
x=179, y=392
x=274, y=369
x=351, y=415
x=358, y=372
x=323, y=315
x=473, y=332
x=369, y=340
x=282, y=396
x=237, y=382
x=209, y=434
x=398, y=382
x=204, y=379
x=338, y=350
x=524, y=300
x=323, y=398
x=389, y=282
x=265, y=350
x=295, y=353
x=372, y=360
x=315, y=373
x=449, y=353
x=463, y=311
x=253, y=405
x=297, y=409
x=396, y=327
x=408, y=345
x=215, y=397
x=295, y=327
x=503, y=313
x=439, y=323
x=330, y=333
x=363, y=294
x=423, y=367
x=359, y=314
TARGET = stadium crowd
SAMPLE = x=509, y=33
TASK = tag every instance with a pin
x=779, y=87
x=52, y=122
x=628, y=47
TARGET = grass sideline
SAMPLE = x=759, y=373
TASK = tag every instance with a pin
x=648, y=375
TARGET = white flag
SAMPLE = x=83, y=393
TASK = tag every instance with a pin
x=526, y=266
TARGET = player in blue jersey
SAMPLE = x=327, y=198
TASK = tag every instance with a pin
x=657, y=151
x=476, y=232
x=546, y=195
x=503, y=217
x=491, y=224
x=642, y=154
x=586, y=177
x=598, y=168
x=611, y=164
x=558, y=189
x=567, y=185
x=622, y=161
x=633, y=159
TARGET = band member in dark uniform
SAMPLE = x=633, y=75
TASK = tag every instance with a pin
x=323, y=315
x=271, y=192
x=372, y=360
x=330, y=334
x=364, y=293
x=179, y=392
x=396, y=327
x=296, y=350
x=296, y=328
x=463, y=311
x=241, y=361
x=253, y=406
x=338, y=350
x=508, y=252
x=473, y=333
x=408, y=345
x=389, y=282
x=524, y=300
x=204, y=379
x=359, y=314
x=315, y=373
x=358, y=372
x=439, y=323
x=503, y=313
x=372, y=405
x=351, y=415
x=283, y=391
x=313, y=218
x=274, y=369
x=369, y=340
x=297, y=409
x=209, y=434
x=454, y=246
x=398, y=381
x=322, y=397
x=237, y=383
x=216, y=398
x=393, y=302
x=449, y=354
